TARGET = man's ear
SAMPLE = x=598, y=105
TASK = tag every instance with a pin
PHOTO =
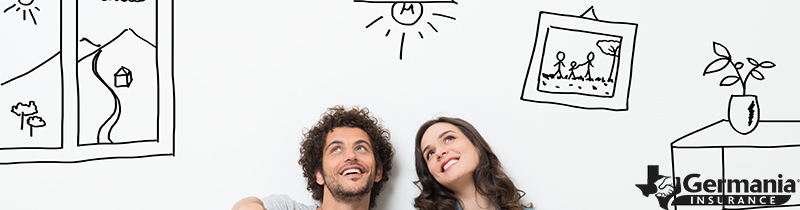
x=379, y=173
x=320, y=180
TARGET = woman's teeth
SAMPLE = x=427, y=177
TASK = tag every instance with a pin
x=450, y=163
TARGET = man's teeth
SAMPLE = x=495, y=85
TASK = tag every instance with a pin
x=350, y=171
x=454, y=161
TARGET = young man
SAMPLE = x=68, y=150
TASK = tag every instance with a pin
x=346, y=159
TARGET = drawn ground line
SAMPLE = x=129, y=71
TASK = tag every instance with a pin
x=34, y=68
x=92, y=159
x=118, y=143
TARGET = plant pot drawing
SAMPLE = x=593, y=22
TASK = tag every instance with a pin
x=743, y=113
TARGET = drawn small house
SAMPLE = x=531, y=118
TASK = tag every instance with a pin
x=123, y=77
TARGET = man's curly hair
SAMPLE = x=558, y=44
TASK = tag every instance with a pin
x=313, y=145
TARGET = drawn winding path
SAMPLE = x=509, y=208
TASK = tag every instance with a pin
x=105, y=128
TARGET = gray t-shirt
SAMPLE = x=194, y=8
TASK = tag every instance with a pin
x=284, y=202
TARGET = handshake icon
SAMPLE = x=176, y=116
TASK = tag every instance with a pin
x=663, y=187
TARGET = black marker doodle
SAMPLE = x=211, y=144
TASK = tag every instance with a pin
x=31, y=79
x=111, y=109
x=715, y=167
x=35, y=122
x=129, y=118
x=23, y=111
x=408, y=14
x=26, y=7
x=600, y=57
x=743, y=110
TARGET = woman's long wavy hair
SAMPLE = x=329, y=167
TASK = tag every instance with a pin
x=489, y=177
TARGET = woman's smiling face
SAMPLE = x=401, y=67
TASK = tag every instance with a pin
x=450, y=155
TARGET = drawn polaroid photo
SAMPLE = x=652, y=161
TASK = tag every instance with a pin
x=581, y=61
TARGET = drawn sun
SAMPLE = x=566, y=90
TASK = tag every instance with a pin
x=406, y=14
x=26, y=7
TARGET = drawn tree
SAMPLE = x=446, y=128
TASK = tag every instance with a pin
x=23, y=110
x=610, y=47
x=35, y=122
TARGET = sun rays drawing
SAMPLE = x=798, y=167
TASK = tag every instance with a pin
x=26, y=7
x=408, y=14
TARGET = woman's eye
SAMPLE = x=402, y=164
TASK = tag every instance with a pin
x=449, y=138
x=428, y=156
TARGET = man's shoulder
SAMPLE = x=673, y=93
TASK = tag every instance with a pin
x=284, y=202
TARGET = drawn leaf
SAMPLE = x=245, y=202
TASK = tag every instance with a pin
x=738, y=65
x=716, y=65
x=767, y=64
x=721, y=50
x=757, y=74
x=752, y=61
x=729, y=80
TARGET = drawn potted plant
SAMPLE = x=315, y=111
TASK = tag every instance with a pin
x=743, y=110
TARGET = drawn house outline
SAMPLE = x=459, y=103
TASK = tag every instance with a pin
x=123, y=77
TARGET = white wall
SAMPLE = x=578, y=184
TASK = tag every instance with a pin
x=250, y=75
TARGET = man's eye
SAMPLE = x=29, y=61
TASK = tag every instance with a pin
x=336, y=149
x=361, y=148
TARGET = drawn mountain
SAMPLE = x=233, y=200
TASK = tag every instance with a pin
x=117, y=90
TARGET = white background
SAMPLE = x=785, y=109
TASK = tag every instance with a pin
x=250, y=75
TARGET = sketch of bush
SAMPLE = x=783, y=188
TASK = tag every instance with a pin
x=35, y=122
x=24, y=110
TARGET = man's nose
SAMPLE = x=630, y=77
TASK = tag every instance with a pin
x=350, y=155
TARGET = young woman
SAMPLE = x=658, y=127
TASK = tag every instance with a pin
x=457, y=170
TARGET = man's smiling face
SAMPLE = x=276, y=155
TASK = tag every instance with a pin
x=348, y=165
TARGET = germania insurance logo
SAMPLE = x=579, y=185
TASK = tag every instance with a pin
x=694, y=189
